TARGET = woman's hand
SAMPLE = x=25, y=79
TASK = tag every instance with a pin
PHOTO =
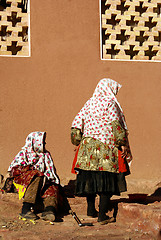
x=124, y=151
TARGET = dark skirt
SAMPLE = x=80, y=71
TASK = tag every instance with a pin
x=96, y=182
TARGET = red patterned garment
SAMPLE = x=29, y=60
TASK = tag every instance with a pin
x=100, y=111
x=74, y=161
x=34, y=154
x=34, y=161
x=24, y=175
x=100, y=129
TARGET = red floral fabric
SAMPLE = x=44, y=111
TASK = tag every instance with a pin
x=24, y=175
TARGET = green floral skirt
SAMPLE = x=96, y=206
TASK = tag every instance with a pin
x=95, y=182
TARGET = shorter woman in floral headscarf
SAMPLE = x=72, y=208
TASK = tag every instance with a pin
x=100, y=132
x=35, y=177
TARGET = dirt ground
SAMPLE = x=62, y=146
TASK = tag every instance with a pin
x=136, y=219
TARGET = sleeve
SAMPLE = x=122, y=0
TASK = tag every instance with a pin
x=118, y=129
x=78, y=126
x=119, y=134
x=76, y=136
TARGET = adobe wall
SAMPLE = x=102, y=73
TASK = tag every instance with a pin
x=45, y=92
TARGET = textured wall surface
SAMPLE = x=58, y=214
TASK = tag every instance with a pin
x=45, y=91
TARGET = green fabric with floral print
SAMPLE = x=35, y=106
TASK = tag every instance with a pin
x=76, y=136
x=119, y=133
x=94, y=155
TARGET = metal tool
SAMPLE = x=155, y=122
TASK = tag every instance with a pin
x=75, y=217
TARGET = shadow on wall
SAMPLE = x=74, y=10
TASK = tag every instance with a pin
x=69, y=189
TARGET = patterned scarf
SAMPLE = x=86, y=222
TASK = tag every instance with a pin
x=33, y=154
x=95, y=118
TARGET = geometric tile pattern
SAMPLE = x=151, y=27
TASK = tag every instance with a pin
x=14, y=28
x=131, y=29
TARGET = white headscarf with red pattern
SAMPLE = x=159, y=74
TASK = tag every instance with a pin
x=99, y=111
x=33, y=154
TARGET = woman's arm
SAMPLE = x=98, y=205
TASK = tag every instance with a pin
x=119, y=134
x=76, y=136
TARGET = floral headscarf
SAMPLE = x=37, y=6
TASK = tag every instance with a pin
x=107, y=89
x=33, y=154
x=99, y=111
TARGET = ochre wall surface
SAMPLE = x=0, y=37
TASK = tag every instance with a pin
x=45, y=91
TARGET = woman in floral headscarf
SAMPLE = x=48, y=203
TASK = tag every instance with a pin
x=35, y=177
x=100, y=132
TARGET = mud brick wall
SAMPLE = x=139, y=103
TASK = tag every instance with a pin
x=14, y=27
x=131, y=29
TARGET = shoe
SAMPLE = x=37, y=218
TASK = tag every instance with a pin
x=107, y=220
x=48, y=216
x=94, y=215
x=29, y=215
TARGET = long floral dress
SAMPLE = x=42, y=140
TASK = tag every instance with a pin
x=100, y=130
